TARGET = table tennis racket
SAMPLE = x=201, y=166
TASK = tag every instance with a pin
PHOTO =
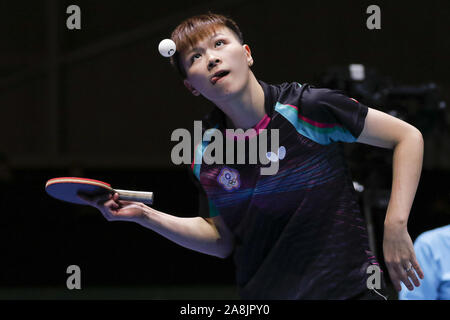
x=67, y=189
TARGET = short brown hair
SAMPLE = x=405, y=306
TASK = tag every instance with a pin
x=196, y=28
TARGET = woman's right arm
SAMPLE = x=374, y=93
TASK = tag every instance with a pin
x=210, y=236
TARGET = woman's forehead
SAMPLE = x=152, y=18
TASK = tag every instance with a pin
x=212, y=32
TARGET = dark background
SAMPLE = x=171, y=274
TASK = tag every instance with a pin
x=101, y=102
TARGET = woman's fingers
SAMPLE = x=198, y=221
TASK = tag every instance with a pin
x=405, y=272
x=417, y=267
x=411, y=274
x=395, y=275
x=112, y=207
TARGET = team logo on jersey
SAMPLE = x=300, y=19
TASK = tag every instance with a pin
x=229, y=179
x=274, y=157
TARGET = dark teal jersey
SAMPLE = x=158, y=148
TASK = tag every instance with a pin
x=299, y=233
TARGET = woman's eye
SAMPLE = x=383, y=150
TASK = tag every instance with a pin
x=195, y=57
x=219, y=43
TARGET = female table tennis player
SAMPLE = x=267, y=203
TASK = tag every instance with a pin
x=299, y=233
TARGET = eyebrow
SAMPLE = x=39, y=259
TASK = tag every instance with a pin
x=215, y=35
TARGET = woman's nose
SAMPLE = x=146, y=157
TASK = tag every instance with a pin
x=213, y=61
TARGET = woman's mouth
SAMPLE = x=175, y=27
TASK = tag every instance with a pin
x=219, y=76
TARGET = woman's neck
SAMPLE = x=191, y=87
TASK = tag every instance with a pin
x=247, y=108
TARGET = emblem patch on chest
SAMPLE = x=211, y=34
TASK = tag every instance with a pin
x=229, y=179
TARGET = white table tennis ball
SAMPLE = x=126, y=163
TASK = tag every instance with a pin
x=167, y=48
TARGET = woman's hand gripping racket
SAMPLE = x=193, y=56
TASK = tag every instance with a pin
x=114, y=204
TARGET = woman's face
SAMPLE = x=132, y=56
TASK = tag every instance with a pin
x=218, y=66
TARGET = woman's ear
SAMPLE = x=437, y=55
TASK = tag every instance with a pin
x=188, y=85
x=248, y=53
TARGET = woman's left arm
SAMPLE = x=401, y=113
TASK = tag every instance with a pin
x=383, y=130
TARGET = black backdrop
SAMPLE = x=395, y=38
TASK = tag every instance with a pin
x=101, y=102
